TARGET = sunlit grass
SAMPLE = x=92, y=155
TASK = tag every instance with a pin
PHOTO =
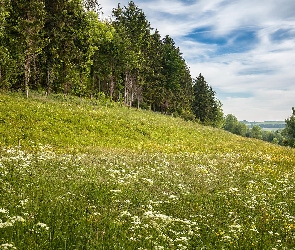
x=87, y=176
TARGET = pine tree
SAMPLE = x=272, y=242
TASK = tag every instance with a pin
x=205, y=106
x=26, y=22
x=134, y=30
x=177, y=79
x=67, y=48
x=5, y=62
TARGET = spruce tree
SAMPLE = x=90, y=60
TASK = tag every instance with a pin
x=206, y=107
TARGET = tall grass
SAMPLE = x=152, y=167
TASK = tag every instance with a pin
x=79, y=174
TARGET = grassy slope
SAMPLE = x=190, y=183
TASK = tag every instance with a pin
x=81, y=124
x=118, y=178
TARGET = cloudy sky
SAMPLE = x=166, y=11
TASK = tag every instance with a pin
x=245, y=49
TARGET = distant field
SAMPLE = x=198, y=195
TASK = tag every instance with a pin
x=90, y=174
x=268, y=125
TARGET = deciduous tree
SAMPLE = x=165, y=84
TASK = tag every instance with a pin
x=289, y=131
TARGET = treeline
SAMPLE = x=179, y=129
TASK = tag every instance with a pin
x=284, y=137
x=63, y=46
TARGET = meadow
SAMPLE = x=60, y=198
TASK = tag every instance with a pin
x=91, y=174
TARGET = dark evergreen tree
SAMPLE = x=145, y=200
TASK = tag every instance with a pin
x=67, y=34
x=26, y=39
x=134, y=29
x=62, y=46
x=154, y=89
x=6, y=62
x=177, y=80
x=205, y=106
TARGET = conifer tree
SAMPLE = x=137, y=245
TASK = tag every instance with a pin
x=134, y=30
x=26, y=39
x=5, y=62
x=205, y=106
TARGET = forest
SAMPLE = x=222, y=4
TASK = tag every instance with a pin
x=65, y=47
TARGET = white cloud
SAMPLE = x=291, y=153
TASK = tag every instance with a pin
x=258, y=82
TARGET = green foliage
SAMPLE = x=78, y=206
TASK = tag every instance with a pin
x=232, y=125
x=63, y=47
x=7, y=64
x=289, y=131
x=205, y=106
x=87, y=176
x=256, y=132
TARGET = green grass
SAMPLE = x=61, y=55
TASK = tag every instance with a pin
x=89, y=174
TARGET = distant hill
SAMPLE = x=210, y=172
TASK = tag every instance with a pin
x=267, y=125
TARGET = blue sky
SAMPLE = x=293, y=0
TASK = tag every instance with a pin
x=245, y=49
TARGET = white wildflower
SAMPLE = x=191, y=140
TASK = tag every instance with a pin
x=42, y=225
x=116, y=191
x=163, y=217
x=7, y=246
x=136, y=220
x=149, y=214
x=233, y=190
x=226, y=237
x=17, y=218
x=23, y=202
x=185, y=239
x=3, y=211
x=159, y=248
x=125, y=213
x=149, y=181
x=173, y=197
x=5, y=224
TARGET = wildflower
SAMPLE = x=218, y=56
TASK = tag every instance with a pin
x=3, y=211
x=116, y=191
x=173, y=197
x=136, y=220
x=125, y=213
x=17, y=218
x=254, y=229
x=42, y=225
x=5, y=224
x=23, y=202
x=149, y=214
x=149, y=181
x=226, y=238
x=7, y=246
x=233, y=190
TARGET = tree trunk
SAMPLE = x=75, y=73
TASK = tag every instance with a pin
x=27, y=74
x=126, y=89
x=0, y=74
x=48, y=81
x=112, y=86
x=66, y=83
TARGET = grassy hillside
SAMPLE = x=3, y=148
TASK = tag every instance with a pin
x=82, y=174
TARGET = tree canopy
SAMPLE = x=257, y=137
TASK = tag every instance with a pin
x=63, y=46
x=289, y=131
x=206, y=107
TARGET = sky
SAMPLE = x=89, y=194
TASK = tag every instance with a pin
x=245, y=49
